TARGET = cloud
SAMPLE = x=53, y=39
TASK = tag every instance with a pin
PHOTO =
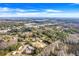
x=11, y=10
x=76, y=3
x=17, y=12
x=6, y=9
x=40, y=14
x=51, y=10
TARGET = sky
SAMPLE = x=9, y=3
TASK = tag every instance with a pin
x=39, y=10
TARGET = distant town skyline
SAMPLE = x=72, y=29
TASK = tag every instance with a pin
x=39, y=10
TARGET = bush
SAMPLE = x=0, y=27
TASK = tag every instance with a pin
x=9, y=49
